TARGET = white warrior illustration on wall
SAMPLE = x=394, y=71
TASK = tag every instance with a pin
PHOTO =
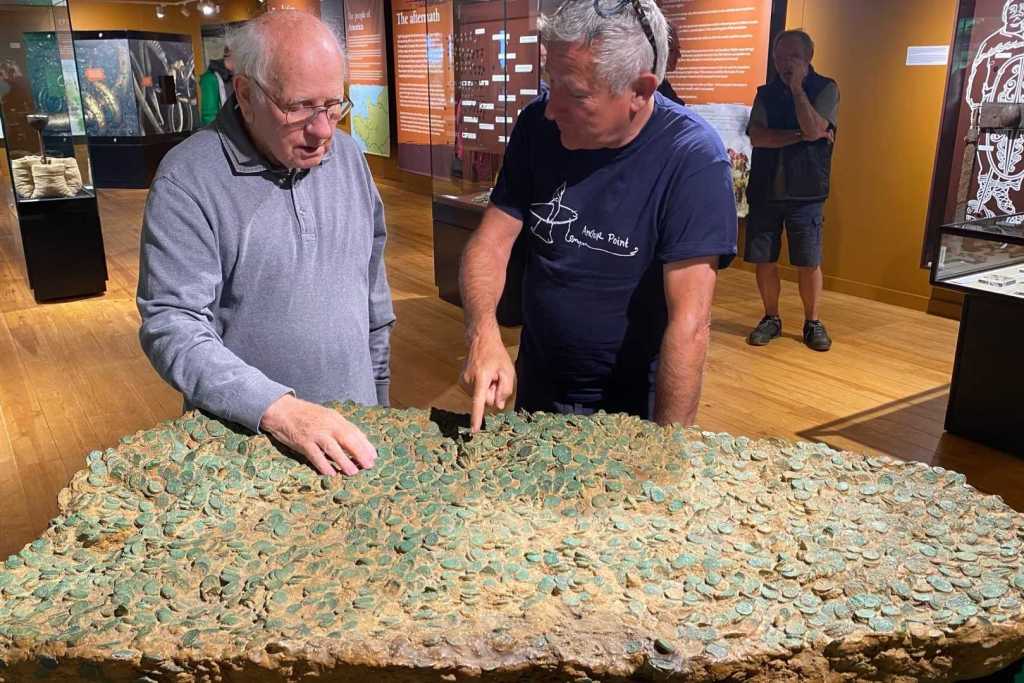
x=997, y=75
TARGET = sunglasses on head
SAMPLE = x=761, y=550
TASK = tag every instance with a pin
x=606, y=11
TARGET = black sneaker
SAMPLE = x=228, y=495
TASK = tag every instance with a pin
x=816, y=337
x=769, y=328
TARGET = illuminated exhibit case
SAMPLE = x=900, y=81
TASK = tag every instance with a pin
x=139, y=99
x=491, y=71
x=47, y=156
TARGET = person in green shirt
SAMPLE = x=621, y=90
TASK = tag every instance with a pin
x=215, y=86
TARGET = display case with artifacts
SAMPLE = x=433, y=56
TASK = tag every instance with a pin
x=47, y=153
x=984, y=259
x=139, y=97
x=978, y=169
x=490, y=66
x=982, y=256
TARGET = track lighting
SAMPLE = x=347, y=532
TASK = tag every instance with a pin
x=160, y=12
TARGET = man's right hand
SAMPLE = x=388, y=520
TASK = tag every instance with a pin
x=325, y=438
x=488, y=375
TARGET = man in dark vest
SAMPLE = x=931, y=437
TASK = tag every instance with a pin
x=792, y=129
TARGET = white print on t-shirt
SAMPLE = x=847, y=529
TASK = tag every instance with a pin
x=546, y=215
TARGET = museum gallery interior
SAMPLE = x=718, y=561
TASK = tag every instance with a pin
x=834, y=505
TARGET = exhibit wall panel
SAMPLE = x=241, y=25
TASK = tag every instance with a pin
x=888, y=126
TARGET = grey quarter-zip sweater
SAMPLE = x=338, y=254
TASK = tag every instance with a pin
x=255, y=281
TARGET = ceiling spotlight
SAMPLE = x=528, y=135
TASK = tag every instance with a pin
x=160, y=12
x=207, y=8
x=184, y=10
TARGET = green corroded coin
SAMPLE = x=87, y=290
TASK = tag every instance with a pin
x=993, y=590
x=881, y=624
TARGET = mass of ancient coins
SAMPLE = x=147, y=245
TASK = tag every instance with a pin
x=544, y=548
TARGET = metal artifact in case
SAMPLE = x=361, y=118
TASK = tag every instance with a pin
x=982, y=256
x=492, y=66
x=47, y=152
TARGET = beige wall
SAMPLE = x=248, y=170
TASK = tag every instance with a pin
x=235, y=10
x=888, y=127
x=89, y=15
x=92, y=15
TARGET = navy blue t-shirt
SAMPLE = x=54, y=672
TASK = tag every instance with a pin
x=599, y=226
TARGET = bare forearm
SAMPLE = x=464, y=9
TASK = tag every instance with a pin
x=488, y=374
x=774, y=138
x=681, y=373
x=812, y=124
x=481, y=281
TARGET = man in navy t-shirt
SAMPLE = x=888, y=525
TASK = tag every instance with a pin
x=626, y=199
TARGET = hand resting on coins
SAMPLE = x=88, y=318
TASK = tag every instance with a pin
x=326, y=439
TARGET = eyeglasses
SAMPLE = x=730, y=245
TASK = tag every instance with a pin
x=305, y=114
x=638, y=7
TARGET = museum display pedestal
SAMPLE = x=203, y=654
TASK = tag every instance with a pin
x=984, y=259
x=986, y=395
x=455, y=219
x=129, y=162
x=63, y=246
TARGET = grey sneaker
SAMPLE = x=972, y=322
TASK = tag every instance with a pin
x=769, y=328
x=815, y=336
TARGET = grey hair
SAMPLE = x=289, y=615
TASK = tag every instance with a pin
x=620, y=46
x=803, y=36
x=253, y=52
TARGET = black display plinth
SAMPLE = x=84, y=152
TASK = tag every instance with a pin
x=63, y=246
x=986, y=396
x=454, y=223
x=129, y=162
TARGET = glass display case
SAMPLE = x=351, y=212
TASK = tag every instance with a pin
x=984, y=259
x=47, y=157
x=136, y=84
x=139, y=100
x=490, y=67
x=982, y=256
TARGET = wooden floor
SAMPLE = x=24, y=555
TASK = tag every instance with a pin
x=73, y=379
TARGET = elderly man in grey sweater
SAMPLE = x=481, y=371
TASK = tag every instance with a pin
x=262, y=286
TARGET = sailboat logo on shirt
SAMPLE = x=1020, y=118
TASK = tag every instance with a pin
x=549, y=214
x=545, y=216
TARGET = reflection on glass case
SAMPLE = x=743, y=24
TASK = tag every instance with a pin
x=492, y=69
x=41, y=107
x=136, y=84
x=982, y=256
x=47, y=155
